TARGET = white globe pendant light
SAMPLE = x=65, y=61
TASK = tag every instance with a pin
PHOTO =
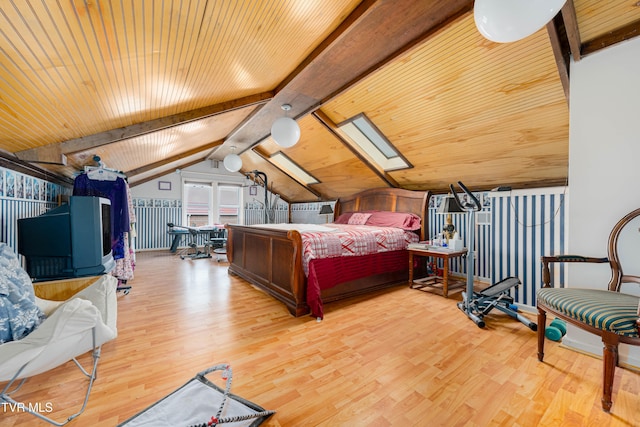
x=505, y=21
x=232, y=162
x=285, y=131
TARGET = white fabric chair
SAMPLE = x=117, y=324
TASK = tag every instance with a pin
x=72, y=327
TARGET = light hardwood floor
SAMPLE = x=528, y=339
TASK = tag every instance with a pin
x=400, y=357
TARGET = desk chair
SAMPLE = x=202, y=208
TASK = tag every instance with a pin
x=611, y=314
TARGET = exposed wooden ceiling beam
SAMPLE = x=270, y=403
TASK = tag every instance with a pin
x=10, y=161
x=52, y=152
x=624, y=33
x=372, y=35
x=162, y=173
x=571, y=28
x=436, y=22
x=157, y=165
x=557, y=37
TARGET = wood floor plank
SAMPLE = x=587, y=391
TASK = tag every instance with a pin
x=397, y=357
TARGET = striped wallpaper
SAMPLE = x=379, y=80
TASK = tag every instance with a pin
x=154, y=214
x=460, y=222
x=11, y=210
x=255, y=214
x=528, y=225
x=23, y=196
x=522, y=226
x=151, y=228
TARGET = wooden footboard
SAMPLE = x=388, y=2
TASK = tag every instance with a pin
x=271, y=260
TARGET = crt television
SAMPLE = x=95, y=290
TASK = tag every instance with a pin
x=72, y=240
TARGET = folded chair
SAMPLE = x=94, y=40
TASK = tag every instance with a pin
x=76, y=323
x=610, y=313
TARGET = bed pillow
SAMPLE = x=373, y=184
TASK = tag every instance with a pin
x=343, y=218
x=359, y=218
x=403, y=220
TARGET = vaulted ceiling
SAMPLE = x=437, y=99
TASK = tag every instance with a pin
x=151, y=87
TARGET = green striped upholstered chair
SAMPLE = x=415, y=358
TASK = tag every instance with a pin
x=612, y=315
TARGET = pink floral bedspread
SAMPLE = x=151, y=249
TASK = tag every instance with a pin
x=352, y=240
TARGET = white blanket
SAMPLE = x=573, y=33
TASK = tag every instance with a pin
x=299, y=227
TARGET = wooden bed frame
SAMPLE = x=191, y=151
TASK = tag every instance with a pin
x=272, y=259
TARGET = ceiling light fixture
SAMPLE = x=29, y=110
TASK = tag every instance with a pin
x=285, y=131
x=232, y=162
x=505, y=21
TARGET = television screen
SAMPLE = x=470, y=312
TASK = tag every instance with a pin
x=72, y=240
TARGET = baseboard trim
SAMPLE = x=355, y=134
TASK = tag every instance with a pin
x=624, y=359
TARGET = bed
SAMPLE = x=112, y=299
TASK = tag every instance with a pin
x=271, y=258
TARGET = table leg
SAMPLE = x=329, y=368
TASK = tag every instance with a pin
x=175, y=243
x=445, y=274
x=410, y=269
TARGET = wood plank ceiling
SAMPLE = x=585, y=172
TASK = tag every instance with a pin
x=151, y=86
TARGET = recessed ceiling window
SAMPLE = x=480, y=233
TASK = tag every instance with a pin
x=290, y=167
x=372, y=143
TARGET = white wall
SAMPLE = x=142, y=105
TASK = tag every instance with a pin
x=604, y=165
x=203, y=171
x=150, y=189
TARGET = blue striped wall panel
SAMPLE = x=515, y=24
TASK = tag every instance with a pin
x=23, y=196
x=309, y=213
x=255, y=215
x=151, y=228
x=11, y=210
x=524, y=225
x=482, y=243
x=152, y=217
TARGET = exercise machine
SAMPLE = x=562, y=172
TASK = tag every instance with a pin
x=476, y=305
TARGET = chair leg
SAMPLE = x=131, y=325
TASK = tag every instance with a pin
x=542, y=324
x=610, y=361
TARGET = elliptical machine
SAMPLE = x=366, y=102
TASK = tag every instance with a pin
x=476, y=305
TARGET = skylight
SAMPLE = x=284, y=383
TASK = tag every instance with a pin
x=372, y=143
x=287, y=165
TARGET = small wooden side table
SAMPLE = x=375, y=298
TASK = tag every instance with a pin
x=435, y=283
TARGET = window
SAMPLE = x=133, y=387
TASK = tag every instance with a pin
x=371, y=143
x=198, y=203
x=229, y=204
x=290, y=167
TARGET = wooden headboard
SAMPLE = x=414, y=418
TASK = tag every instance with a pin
x=388, y=199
